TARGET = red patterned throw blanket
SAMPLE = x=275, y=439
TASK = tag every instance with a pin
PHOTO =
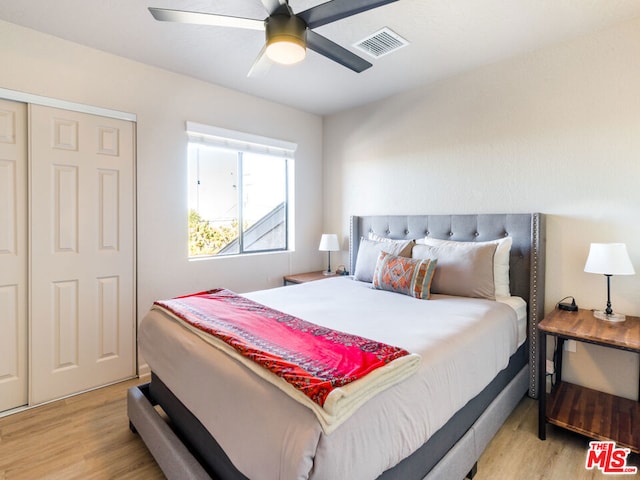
x=331, y=372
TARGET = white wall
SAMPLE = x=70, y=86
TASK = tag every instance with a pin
x=40, y=64
x=555, y=131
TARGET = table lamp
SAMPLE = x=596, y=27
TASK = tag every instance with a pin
x=329, y=243
x=609, y=259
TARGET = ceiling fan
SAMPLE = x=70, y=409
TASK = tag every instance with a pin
x=287, y=34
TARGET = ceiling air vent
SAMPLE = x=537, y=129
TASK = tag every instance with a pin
x=381, y=43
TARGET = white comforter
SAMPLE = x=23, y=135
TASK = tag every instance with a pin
x=463, y=343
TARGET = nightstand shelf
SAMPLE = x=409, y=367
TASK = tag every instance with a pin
x=595, y=414
x=583, y=410
x=305, y=277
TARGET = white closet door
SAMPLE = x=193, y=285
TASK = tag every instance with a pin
x=82, y=251
x=13, y=255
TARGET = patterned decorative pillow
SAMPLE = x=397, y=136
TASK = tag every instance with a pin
x=409, y=276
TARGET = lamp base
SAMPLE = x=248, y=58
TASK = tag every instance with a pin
x=613, y=317
x=328, y=272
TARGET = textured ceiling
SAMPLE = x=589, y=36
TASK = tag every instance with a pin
x=446, y=37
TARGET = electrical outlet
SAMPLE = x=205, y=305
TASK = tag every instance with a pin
x=570, y=346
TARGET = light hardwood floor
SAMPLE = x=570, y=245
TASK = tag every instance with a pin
x=82, y=437
x=87, y=437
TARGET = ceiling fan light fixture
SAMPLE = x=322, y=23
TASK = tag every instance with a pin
x=286, y=39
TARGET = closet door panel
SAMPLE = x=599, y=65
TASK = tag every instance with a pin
x=82, y=252
x=13, y=255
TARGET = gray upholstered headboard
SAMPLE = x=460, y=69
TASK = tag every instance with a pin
x=526, y=264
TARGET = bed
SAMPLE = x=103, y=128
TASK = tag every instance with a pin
x=197, y=435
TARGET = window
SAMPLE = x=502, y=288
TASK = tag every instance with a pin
x=238, y=192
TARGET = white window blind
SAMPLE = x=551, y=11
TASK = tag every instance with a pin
x=239, y=141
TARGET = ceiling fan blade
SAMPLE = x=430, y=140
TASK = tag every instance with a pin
x=261, y=66
x=335, y=52
x=200, y=18
x=338, y=9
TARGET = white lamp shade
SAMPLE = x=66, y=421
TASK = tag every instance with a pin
x=609, y=259
x=329, y=243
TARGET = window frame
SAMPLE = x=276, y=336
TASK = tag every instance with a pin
x=242, y=143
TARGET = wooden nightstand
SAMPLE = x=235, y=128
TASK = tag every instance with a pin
x=589, y=412
x=305, y=277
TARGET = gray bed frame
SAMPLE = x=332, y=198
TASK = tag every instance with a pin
x=527, y=263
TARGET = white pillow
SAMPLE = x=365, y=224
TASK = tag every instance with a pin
x=500, y=260
x=369, y=251
x=379, y=238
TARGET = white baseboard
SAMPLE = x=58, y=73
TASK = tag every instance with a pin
x=144, y=371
